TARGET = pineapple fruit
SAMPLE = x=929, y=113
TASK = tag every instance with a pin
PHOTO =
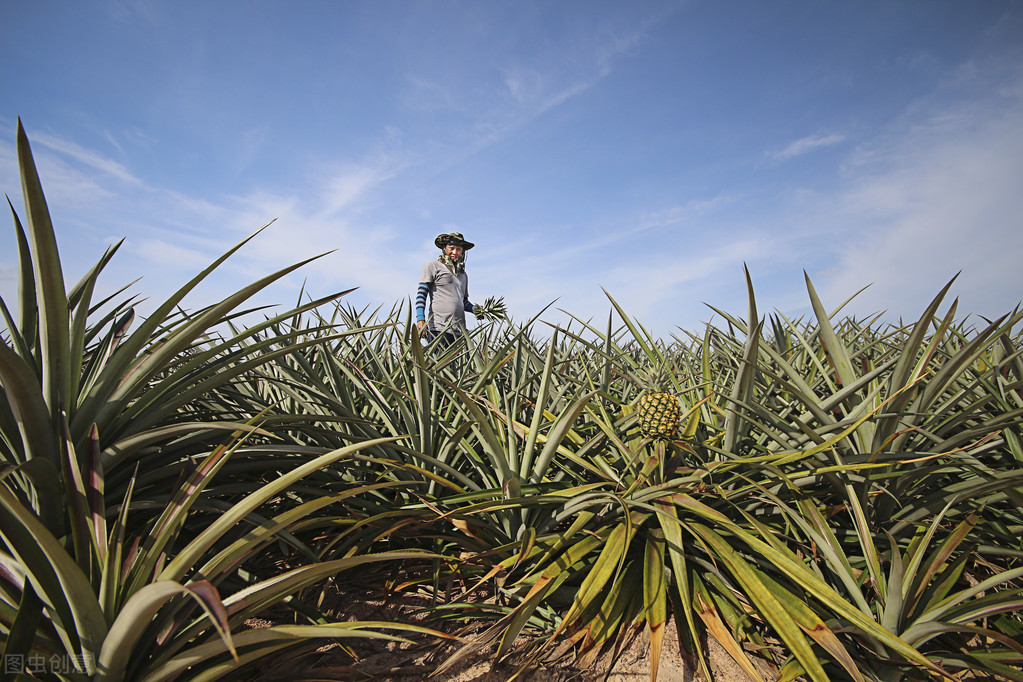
x=659, y=411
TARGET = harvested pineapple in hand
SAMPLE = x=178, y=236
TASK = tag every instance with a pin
x=491, y=309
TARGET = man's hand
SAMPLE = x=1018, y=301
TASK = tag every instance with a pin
x=419, y=326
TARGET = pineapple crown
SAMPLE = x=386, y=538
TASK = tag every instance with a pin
x=492, y=309
x=655, y=378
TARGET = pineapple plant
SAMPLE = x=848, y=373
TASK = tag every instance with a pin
x=658, y=409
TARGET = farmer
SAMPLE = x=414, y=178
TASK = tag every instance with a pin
x=447, y=284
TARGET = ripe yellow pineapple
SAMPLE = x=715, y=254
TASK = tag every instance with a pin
x=659, y=411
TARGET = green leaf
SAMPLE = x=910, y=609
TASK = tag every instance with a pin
x=655, y=596
x=607, y=565
x=55, y=577
x=561, y=427
x=190, y=554
x=23, y=393
x=270, y=639
x=25, y=333
x=55, y=361
x=525, y=471
x=833, y=346
x=139, y=611
x=773, y=611
x=742, y=390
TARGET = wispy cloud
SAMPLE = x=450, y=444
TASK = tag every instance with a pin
x=352, y=183
x=655, y=261
x=86, y=157
x=170, y=255
x=678, y=279
x=171, y=234
x=524, y=89
x=805, y=145
x=534, y=92
x=935, y=192
x=633, y=228
x=564, y=75
x=941, y=194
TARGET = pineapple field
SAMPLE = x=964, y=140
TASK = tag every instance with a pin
x=822, y=498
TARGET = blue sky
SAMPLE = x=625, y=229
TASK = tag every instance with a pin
x=650, y=148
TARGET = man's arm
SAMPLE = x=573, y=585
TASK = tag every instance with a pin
x=466, y=305
x=424, y=288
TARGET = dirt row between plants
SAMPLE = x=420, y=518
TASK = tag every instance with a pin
x=418, y=659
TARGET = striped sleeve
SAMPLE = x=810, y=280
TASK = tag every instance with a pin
x=424, y=287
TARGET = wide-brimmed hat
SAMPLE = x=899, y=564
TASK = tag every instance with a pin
x=455, y=238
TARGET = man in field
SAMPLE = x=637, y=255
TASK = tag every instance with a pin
x=447, y=285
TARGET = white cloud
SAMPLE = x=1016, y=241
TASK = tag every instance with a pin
x=493, y=109
x=170, y=256
x=170, y=235
x=86, y=157
x=351, y=184
x=660, y=265
x=938, y=193
x=629, y=229
x=533, y=92
x=805, y=145
x=942, y=194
